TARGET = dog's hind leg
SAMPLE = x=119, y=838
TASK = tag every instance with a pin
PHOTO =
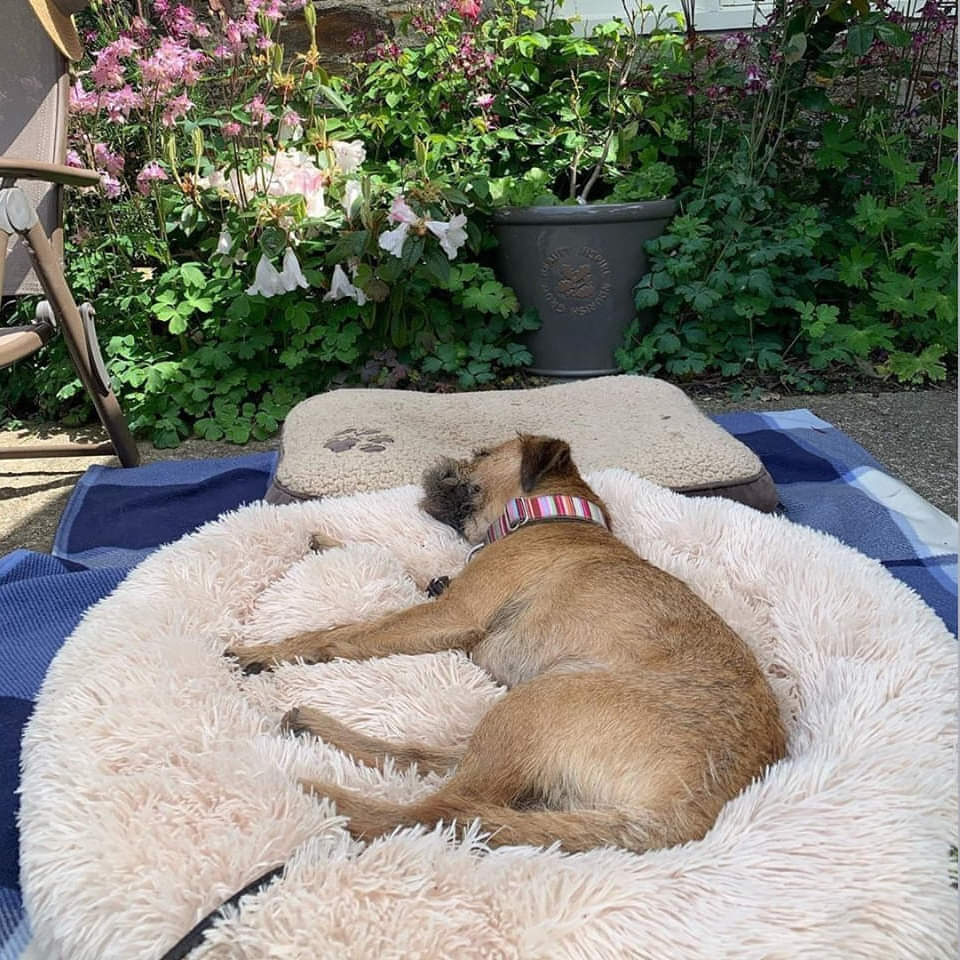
x=367, y=750
x=549, y=763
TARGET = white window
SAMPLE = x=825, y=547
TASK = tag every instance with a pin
x=708, y=14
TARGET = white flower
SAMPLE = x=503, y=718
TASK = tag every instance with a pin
x=451, y=235
x=291, y=275
x=349, y=155
x=267, y=282
x=216, y=181
x=291, y=172
x=291, y=127
x=316, y=203
x=351, y=196
x=224, y=243
x=392, y=240
x=400, y=211
x=241, y=184
x=341, y=287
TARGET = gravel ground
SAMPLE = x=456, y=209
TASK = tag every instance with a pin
x=913, y=433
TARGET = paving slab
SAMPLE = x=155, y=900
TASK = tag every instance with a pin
x=912, y=433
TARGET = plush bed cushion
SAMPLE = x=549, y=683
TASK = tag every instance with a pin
x=350, y=441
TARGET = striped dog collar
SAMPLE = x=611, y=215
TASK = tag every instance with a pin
x=526, y=510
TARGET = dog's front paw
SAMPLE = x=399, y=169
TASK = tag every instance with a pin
x=295, y=721
x=253, y=658
x=320, y=542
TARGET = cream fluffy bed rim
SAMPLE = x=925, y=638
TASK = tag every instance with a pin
x=158, y=784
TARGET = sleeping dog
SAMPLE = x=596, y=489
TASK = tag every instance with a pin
x=633, y=712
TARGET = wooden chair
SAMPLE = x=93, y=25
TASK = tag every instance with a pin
x=33, y=123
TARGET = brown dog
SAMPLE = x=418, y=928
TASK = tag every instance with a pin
x=634, y=712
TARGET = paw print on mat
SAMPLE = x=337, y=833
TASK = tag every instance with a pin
x=369, y=440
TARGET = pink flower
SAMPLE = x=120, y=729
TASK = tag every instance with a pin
x=231, y=129
x=258, y=111
x=234, y=35
x=151, y=173
x=182, y=22
x=349, y=156
x=175, y=108
x=107, y=159
x=171, y=63
x=451, y=234
x=74, y=159
x=111, y=186
x=393, y=240
x=119, y=103
x=123, y=46
x=140, y=30
x=485, y=101
x=470, y=9
x=291, y=126
x=295, y=172
x=83, y=101
x=107, y=72
x=222, y=52
x=755, y=81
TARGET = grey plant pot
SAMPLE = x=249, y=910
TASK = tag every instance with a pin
x=578, y=266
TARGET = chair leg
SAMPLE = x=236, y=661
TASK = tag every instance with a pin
x=65, y=308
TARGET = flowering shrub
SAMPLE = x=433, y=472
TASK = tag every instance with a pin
x=241, y=253
x=521, y=91
x=819, y=233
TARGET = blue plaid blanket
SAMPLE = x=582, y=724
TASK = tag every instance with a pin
x=116, y=517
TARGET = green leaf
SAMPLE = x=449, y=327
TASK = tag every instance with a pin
x=192, y=275
x=816, y=99
x=795, y=48
x=645, y=297
x=853, y=267
x=892, y=34
x=334, y=97
x=438, y=264
x=860, y=38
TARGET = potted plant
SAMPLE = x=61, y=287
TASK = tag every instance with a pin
x=599, y=114
x=561, y=144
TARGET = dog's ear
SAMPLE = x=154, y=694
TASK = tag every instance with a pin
x=540, y=456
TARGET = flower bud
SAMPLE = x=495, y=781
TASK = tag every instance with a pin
x=310, y=16
x=197, y=147
x=170, y=152
x=420, y=152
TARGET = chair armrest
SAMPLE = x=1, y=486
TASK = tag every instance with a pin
x=51, y=172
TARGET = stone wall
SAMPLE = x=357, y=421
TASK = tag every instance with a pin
x=337, y=22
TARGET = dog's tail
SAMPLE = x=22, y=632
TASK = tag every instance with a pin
x=575, y=830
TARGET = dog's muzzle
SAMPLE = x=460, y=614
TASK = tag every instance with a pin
x=449, y=496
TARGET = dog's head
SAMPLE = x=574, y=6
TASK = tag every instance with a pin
x=469, y=495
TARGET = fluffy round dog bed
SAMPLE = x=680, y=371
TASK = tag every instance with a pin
x=157, y=782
